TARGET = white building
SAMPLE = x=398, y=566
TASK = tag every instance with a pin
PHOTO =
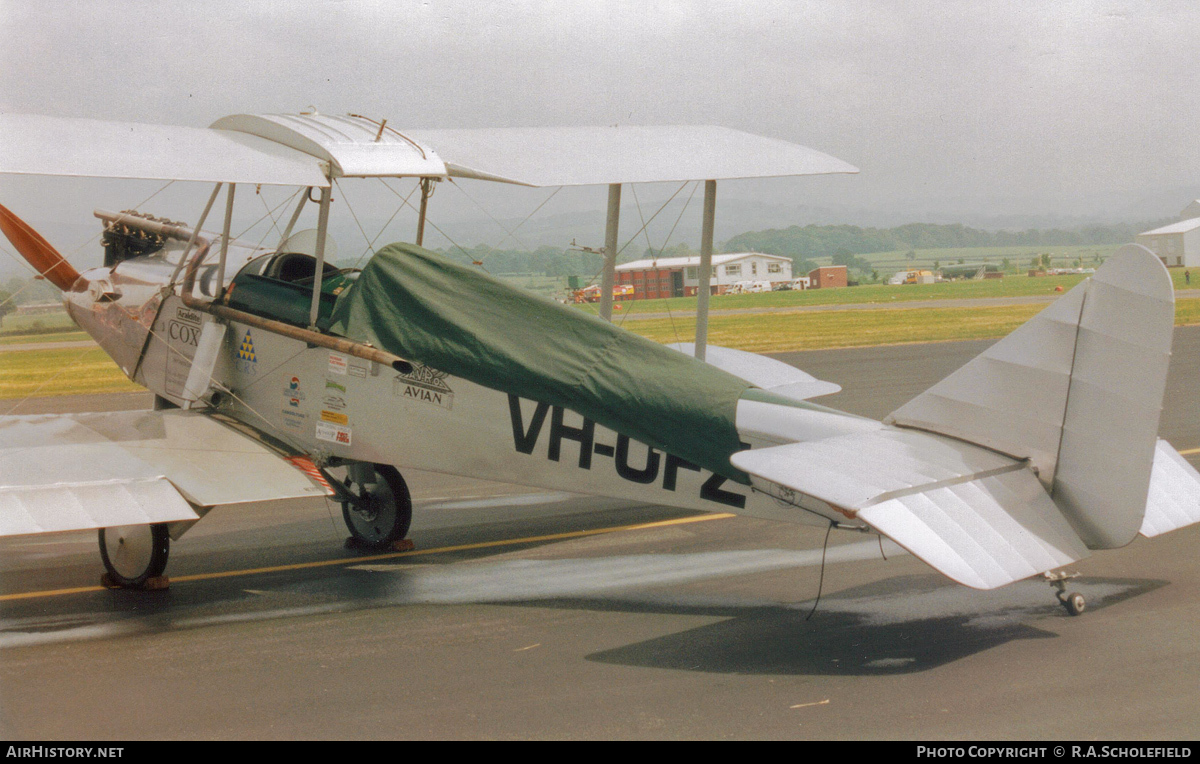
x=1178, y=243
x=679, y=276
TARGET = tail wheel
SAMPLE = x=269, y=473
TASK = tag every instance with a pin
x=384, y=512
x=1074, y=603
x=133, y=554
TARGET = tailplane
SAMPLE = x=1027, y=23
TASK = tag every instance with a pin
x=1077, y=391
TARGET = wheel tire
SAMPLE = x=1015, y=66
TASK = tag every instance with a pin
x=391, y=510
x=133, y=554
x=1075, y=603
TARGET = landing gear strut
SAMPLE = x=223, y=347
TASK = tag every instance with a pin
x=135, y=556
x=376, y=505
x=1072, y=601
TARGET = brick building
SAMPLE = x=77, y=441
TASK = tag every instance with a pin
x=828, y=276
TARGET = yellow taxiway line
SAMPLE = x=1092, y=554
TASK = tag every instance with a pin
x=410, y=553
x=389, y=555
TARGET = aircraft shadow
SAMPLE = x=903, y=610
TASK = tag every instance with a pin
x=901, y=625
x=898, y=625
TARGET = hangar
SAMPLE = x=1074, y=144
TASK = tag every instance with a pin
x=1178, y=243
x=679, y=276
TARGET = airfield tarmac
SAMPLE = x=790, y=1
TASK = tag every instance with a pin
x=519, y=618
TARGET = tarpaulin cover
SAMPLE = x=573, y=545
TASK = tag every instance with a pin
x=423, y=307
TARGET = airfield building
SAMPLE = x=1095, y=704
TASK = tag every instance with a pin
x=679, y=276
x=828, y=276
x=1179, y=243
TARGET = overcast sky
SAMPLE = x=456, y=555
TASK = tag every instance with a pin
x=1020, y=106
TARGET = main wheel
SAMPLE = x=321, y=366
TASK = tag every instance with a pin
x=133, y=554
x=387, y=512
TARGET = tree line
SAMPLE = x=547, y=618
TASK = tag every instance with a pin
x=815, y=241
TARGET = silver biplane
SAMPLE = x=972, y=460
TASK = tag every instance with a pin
x=278, y=375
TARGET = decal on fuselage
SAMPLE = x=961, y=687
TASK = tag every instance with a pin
x=334, y=433
x=644, y=471
x=424, y=384
x=188, y=334
x=245, y=359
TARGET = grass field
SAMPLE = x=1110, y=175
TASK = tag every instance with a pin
x=71, y=371
x=782, y=332
x=1010, y=286
x=36, y=324
x=1019, y=257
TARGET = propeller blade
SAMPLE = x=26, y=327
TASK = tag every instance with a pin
x=37, y=251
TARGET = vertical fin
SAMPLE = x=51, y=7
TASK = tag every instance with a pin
x=1078, y=391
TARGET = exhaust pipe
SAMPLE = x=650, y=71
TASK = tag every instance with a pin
x=43, y=257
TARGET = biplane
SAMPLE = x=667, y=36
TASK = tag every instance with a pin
x=279, y=375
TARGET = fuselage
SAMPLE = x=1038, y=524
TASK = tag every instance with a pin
x=340, y=408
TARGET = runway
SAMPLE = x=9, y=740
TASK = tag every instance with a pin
x=530, y=614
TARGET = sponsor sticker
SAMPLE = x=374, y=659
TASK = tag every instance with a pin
x=335, y=417
x=293, y=393
x=334, y=433
x=293, y=419
x=245, y=359
x=358, y=371
x=337, y=364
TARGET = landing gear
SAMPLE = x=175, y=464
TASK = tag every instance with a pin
x=376, y=505
x=135, y=556
x=1072, y=601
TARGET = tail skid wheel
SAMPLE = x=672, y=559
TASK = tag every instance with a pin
x=133, y=554
x=385, y=512
x=1073, y=602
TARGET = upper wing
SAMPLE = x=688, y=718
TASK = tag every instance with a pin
x=79, y=471
x=32, y=144
x=582, y=156
x=309, y=149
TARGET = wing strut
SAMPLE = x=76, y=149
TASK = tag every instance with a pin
x=322, y=235
x=704, y=290
x=609, y=275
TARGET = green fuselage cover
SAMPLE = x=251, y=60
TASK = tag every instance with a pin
x=421, y=306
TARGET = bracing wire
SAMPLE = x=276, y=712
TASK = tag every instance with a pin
x=270, y=213
x=453, y=243
x=821, y=580
x=371, y=243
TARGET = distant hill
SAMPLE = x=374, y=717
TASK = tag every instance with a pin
x=813, y=241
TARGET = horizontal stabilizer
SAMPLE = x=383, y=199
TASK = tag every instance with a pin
x=1174, y=499
x=982, y=533
x=761, y=371
x=981, y=518
x=84, y=506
